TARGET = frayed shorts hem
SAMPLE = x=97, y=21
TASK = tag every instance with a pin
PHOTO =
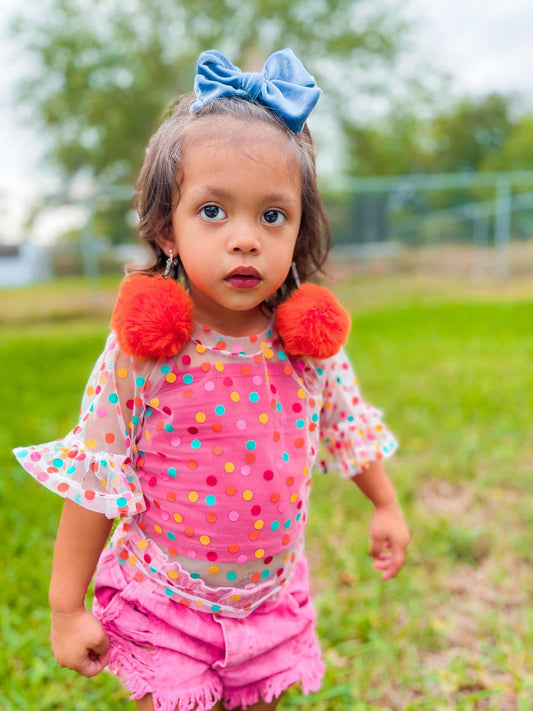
x=187, y=659
x=210, y=693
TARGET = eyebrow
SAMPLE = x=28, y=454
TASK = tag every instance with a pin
x=220, y=193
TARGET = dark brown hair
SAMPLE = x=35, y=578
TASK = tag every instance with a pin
x=157, y=188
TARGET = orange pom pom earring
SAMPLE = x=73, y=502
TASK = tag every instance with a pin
x=152, y=319
x=312, y=322
x=152, y=316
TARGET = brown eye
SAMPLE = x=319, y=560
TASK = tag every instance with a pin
x=274, y=217
x=212, y=213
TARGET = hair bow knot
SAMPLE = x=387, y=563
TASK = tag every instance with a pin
x=252, y=83
x=284, y=85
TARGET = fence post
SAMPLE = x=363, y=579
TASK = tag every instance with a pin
x=502, y=228
x=89, y=253
x=481, y=243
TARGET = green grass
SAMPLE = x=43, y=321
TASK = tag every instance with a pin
x=452, y=367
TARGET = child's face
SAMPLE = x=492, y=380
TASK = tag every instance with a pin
x=237, y=220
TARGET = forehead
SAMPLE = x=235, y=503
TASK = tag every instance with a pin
x=240, y=139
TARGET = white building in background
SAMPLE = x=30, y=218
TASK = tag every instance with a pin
x=22, y=264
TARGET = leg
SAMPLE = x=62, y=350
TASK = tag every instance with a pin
x=146, y=704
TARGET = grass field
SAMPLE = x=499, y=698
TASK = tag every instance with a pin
x=451, y=363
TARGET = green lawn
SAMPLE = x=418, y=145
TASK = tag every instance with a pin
x=452, y=366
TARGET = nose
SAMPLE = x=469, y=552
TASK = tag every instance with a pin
x=244, y=239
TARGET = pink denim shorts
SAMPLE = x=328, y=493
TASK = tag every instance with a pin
x=191, y=660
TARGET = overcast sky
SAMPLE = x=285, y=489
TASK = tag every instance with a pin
x=484, y=44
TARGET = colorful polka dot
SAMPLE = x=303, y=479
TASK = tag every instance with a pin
x=195, y=426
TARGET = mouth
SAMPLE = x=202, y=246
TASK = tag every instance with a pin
x=244, y=278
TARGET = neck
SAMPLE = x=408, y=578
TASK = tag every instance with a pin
x=235, y=323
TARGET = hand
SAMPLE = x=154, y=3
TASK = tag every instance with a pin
x=389, y=538
x=79, y=642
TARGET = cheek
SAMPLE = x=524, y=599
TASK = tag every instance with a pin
x=198, y=267
x=286, y=252
x=283, y=260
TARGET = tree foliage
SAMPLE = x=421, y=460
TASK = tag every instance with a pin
x=517, y=151
x=104, y=69
x=470, y=135
x=391, y=146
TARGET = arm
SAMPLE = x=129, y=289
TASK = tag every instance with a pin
x=389, y=535
x=78, y=640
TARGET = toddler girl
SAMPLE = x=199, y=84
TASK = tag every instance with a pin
x=202, y=419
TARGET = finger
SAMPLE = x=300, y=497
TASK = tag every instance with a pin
x=100, y=661
x=382, y=561
x=94, y=663
x=394, y=564
x=98, y=653
x=377, y=544
x=101, y=644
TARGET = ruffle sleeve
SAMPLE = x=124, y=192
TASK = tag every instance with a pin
x=351, y=429
x=93, y=464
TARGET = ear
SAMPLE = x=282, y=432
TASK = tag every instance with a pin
x=166, y=242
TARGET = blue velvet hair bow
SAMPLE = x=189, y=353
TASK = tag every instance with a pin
x=284, y=85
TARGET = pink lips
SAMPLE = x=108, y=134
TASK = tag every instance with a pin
x=244, y=278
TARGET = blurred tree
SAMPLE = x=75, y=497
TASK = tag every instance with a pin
x=465, y=138
x=517, y=151
x=390, y=146
x=105, y=69
x=470, y=134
